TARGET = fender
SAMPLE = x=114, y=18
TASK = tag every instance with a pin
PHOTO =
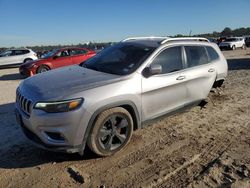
x=135, y=116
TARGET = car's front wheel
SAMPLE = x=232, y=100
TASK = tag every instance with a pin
x=111, y=131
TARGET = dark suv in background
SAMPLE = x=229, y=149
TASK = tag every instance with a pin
x=247, y=41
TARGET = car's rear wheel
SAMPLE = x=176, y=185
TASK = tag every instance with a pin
x=27, y=60
x=42, y=68
x=111, y=131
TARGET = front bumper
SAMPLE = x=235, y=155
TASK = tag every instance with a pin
x=26, y=72
x=54, y=132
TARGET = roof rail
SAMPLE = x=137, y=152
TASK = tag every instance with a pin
x=185, y=39
x=141, y=38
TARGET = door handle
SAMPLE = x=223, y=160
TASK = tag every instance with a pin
x=211, y=70
x=181, y=78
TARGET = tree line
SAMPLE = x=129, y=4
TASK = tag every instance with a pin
x=226, y=32
x=97, y=46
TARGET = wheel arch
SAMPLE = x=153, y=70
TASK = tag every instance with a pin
x=28, y=58
x=48, y=65
x=128, y=105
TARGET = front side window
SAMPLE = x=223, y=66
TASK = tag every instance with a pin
x=120, y=59
x=63, y=53
x=170, y=60
x=50, y=54
x=6, y=54
x=196, y=55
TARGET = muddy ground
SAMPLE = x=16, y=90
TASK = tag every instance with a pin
x=207, y=147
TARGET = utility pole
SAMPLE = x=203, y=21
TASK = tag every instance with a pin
x=190, y=32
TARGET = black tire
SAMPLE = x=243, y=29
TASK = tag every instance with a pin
x=42, y=68
x=233, y=47
x=111, y=131
x=27, y=60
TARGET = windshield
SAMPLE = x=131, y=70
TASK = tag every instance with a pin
x=230, y=39
x=49, y=54
x=120, y=59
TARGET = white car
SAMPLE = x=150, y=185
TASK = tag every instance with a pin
x=233, y=43
x=16, y=56
x=123, y=88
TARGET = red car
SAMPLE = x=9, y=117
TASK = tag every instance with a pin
x=55, y=59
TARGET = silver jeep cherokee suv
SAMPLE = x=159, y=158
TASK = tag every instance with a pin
x=101, y=102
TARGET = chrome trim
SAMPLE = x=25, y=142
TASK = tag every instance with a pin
x=185, y=39
x=24, y=103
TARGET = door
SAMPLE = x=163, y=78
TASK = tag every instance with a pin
x=62, y=59
x=19, y=56
x=78, y=55
x=8, y=58
x=167, y=91
x=200, y=73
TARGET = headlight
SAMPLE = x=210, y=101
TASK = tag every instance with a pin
x=60, y=106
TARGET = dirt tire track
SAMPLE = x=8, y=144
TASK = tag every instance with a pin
x=177, y=151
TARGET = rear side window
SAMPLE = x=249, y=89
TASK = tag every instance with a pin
x=19, y=52
x=26, y=51
x=77, y=52
x=196, y=55
x=170, y=60
x=213, y=55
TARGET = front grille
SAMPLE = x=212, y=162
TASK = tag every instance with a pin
x=24, y=103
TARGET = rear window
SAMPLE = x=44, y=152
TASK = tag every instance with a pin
x=196, y=55
x=213, y=55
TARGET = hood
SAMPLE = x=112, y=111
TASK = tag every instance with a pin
x=60, y=83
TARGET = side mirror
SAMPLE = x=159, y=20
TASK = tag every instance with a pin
x=152, y=70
